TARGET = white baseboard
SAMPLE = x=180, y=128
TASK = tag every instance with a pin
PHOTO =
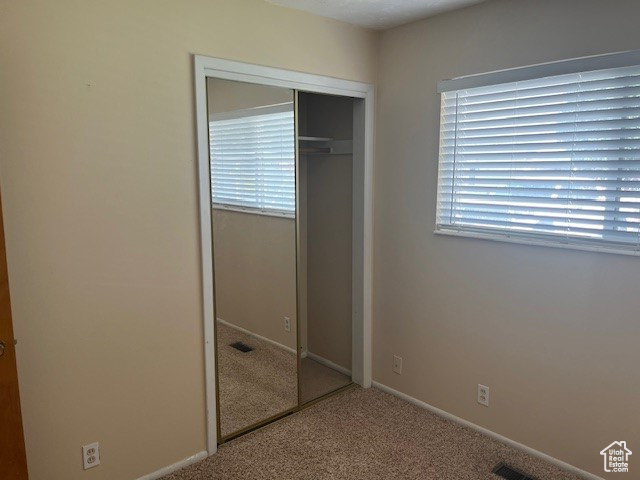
x=175, y=467
x=489, y=433
x=329, y=363
x=259, y=337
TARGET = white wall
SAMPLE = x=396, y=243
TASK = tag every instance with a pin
x=98, y=178
x=553, y=332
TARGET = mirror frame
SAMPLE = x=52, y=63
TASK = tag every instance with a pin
x=363, y=215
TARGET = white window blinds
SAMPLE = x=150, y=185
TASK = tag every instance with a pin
x=555, y=159
x=253, y=159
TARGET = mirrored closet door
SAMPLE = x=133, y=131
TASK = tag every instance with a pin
x=282, y=193
x=253, y=193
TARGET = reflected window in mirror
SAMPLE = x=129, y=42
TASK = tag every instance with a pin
x=253, y=159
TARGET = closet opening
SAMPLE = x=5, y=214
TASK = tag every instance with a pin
x=325, y=257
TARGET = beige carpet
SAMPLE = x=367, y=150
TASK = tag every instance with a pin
x=364, y=434
x=255, y=385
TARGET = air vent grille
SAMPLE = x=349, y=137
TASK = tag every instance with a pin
x=241, y=346
x=508, y=473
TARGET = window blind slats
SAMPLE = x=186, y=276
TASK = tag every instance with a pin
x=508, y=109
x=596, y=165
x=541, y=190
x=556, y=157
x=538, y=138
x=548, y=81
x=544, y=113
x=596, y=127
x=550, y=213
x=547, y=119
x=253, y=161
x=602, y=88
x=566, y=96
x=540, y=202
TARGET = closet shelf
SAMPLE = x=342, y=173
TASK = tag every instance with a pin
x=314, y=139
x=324, y=146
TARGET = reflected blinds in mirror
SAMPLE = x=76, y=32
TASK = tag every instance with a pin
x=253, y=159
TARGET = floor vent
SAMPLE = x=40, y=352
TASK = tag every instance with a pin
x=508, y=473
x=241, y=346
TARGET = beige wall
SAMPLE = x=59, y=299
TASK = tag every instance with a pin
x=553, y=332
x=98, y=177
x=255, y=273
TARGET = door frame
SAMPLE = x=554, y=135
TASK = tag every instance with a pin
x=363, y=215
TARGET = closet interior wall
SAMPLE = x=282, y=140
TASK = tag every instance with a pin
x=326, y=205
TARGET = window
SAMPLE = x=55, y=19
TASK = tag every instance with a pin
x=252, y=156
x=535, y=157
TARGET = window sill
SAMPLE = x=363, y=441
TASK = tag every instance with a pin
x=253, y=211
x=540, y=242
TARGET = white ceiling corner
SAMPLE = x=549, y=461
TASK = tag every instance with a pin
x=376, y=14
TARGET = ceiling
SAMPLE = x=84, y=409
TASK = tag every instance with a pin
x=377, y=14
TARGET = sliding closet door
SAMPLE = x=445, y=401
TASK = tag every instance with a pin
x=253, y=195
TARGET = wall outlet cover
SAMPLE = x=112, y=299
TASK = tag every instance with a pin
x=397, y=364
x=91, y=455
x=483, y=395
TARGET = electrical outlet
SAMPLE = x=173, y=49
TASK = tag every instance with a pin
x=483, y=395
x=91, y=455
x=397, y=364
x=287, y=324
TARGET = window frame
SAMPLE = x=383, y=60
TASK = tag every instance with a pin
x=572, y=66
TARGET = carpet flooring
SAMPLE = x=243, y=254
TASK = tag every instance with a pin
x=364, y=434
